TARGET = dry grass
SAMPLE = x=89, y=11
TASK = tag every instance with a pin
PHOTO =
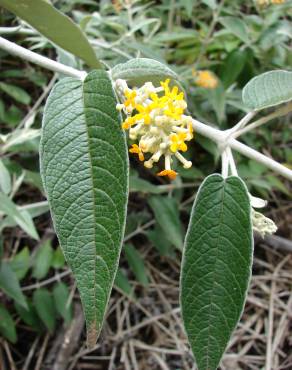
x=147, y=333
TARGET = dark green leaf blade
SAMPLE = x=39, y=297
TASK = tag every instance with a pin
x=7, y=325
x=45, y=307
x=10, y=284
x=167, y=216
x=84, y=165
x=216, y=267
x=63, y=305
x=56, y=26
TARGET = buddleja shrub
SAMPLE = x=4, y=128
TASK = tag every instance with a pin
x=84, y=167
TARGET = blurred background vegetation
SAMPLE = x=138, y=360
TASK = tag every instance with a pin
x=215, y=47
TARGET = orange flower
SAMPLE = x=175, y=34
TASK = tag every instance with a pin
x=205, y=79
x=137, y=150
x=169, y=173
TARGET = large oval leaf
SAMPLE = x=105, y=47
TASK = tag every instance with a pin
x=56, y=26
x=268, y=89
x=140, y=70
x=84, y=165
x=216, y=267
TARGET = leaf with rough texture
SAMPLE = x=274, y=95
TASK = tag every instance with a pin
x=268, y=89
x=84, y=165
x=56, y=26
x=216, y=267
x=140, y=70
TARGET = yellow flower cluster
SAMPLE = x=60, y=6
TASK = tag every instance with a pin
x=155, y=117
x=269, y=2
x=205, y=79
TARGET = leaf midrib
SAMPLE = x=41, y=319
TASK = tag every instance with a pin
x=215, y=268
x=93, y=201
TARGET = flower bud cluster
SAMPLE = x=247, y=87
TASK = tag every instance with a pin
x=155, y=118
x=260, y=223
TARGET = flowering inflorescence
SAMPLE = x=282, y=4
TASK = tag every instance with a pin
x=155, y=118
x=205, y=79
x=269, y=2
x=260, y=223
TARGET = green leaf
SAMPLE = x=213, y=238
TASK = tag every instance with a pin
x=20, y=263
x=143, y=186
x=15, y=92
x=84, y=165
x=10, y=285
x=122, y=282
x=216, y=267
x=236, y=26
x=44, y=305
x=24, y=221
x=140, y=70
x=232, y=67
x=42, y=261
x=268, y=89
x=58, y=260
x=136, y=263
x=61, y=296
x=5, y=180
x=158, y=238
x=29, y=316
x=167, y=216
x=56, y=26
x=7, y=325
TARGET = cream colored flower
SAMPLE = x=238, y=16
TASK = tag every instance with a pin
x=155, y=118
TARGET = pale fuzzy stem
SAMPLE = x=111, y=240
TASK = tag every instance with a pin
x=225, y=164
x=40, y=60
x=232, y=164
x=222, y=138
x=243, y=122
x=278, y=113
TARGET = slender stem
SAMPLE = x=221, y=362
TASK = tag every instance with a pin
x=278, y=113
x=40, y=60
x=242, y=123
x=222, y=139
x=232, y=164
x=225, y=164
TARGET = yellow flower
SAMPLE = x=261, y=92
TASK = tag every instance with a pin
x=137, y=150
x=173, y=111
x=155, y=118
x=169, y=173
x=177, y=142
x=205, y=79
x=130, y=101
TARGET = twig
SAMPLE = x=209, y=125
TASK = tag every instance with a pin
x=30, y=354
x=71, y=338
x=222, y=138
x=47, y=281
x=277, y=113
x=38, y=365
x=40, y=60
